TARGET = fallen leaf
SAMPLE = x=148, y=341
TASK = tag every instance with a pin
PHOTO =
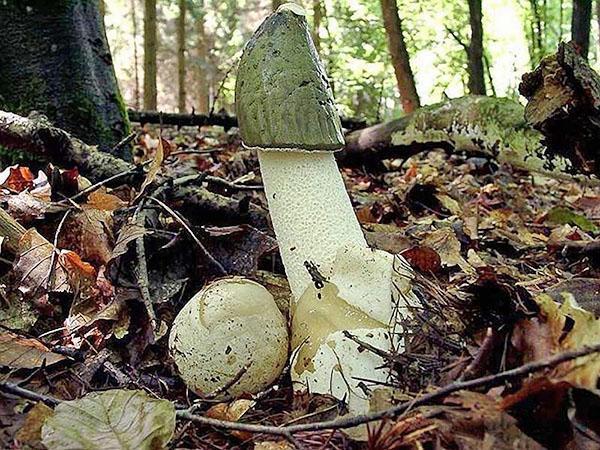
x=238, y=248
x=423, y=258
x=31, y=431
x=447, y=246
x=89, y=234
x=232, y=412
x=16, y=178
x=128, y=234
x=19, y=352
x=154, y=168
x=115, y=419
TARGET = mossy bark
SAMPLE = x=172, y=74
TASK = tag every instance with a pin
x=56, y=60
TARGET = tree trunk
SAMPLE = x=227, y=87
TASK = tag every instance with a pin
x=56, y=60
x=598, y=17
x=399, y=55
x=202, y=66
x=150, y=44
x=580, y=25
x=181, y=56
x=317, y=17
x=136, y=93
x=476, y=68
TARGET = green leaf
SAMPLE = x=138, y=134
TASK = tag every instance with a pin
x=116, y=419
x=562, y=216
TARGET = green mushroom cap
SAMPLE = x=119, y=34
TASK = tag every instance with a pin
x=283, y=97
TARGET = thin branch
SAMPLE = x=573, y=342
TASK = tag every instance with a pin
x=203, y=249
x=349, y=422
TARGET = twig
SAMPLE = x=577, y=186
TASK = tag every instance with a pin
x=203, y=249
x=123, y=142
x=98, y=185
x=231, y=185
x=349, y=422
x=12, y=388
x=142, y=268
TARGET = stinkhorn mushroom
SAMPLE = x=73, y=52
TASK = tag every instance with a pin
x=230, y=336
x=286, y=111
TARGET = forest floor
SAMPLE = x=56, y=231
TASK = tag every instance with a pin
x=507, y=262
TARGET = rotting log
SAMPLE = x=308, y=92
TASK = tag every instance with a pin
x=563, y=95
x=486, y=126
x=199, y=120
x=37, y=136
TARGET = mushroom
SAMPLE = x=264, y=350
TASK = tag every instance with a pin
x=230, y=337
x=286, y=111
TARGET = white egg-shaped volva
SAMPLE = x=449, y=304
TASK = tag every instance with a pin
x=230, y=324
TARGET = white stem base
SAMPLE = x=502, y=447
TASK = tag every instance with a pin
x=311, y=211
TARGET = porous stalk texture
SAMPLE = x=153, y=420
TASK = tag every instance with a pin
x=311, y=211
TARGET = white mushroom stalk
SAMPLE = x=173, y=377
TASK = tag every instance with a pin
x=286, y=111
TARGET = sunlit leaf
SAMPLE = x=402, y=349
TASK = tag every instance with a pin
x=116, y=419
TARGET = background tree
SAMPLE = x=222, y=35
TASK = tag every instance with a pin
x=317, y=18
x=56, y=60
x=181, y=35
x=150, y=47
x=399, y=56
x=475, y=51
x=580, y=25
x=136, y=77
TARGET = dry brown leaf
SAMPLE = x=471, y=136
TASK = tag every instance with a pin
x=154, y=168
x=466, y=420
x=446, y=244
x=25, y=353
x=560, y=328
x=423, y=258
x=32, y=269
x=102, y=200
x=31, y=431
x=16, y=178
x=89, y=234
x=232, y=412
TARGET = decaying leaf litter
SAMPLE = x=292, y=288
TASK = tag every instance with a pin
x=496, y=351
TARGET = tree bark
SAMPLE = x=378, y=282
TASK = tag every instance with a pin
x=317, y=18
x=136, y=92
x=202, y=66
x=56, y=60
x=150, y=46
x=399, y=56
x=476, y=68
x=563, y=95
x=580, y=26
x=181, y=56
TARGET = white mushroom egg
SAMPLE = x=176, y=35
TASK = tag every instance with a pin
x=231, y=326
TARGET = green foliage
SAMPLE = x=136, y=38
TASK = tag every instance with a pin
x=517, y=34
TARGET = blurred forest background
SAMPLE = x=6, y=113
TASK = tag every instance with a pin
x=180, y=55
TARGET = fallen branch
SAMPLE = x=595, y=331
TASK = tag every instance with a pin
x=199, y=120
x=288, y=431
x=38, y=137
